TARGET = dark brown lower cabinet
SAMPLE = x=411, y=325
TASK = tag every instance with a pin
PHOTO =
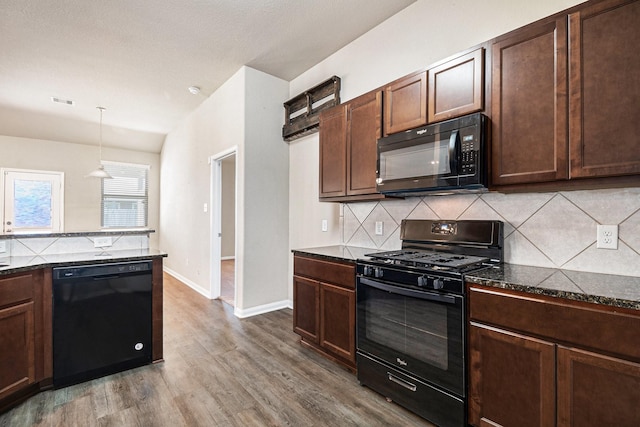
x=597, y=390
x=324, y=307
x=542, y=361
x=24, y=351
x=511, y=379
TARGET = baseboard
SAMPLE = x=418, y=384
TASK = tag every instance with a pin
x=261, y=309
x=199, y=289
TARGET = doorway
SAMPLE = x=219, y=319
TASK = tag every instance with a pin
x=223, y=214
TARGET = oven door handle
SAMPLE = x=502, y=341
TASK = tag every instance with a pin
x=429, y=296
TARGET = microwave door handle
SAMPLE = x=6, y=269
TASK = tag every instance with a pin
x=453, y=159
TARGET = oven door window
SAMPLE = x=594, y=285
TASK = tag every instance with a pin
x=421, y=336
x=425, y=157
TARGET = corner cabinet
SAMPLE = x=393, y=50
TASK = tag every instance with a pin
x=25, y=358
x=564, y=94
x=324, y=306
x=544, y=361
x=604, y=89
x=348, y=136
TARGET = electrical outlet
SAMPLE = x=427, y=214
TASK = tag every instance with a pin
x=3, y=246
x=325, y=225
x=607, y=237
x=379, y=228
x=102, y=242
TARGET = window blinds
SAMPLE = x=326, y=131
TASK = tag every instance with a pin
x=125, y=197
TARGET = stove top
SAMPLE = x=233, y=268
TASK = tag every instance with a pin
x=430, y=260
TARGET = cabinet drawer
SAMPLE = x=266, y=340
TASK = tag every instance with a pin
x=584, y=325
x=14, y=289
x=325, y=271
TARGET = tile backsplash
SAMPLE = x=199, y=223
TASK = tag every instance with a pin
x=556, y=230
x=37, y=246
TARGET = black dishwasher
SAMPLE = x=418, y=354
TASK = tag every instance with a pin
x=101, y=320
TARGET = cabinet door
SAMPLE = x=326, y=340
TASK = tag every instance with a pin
x=17, y=357
x=596, y=390
x=605, y=89
x=405, y=103
x=306, y=308
x=333, y=152
x=529, y=105
x=511, y=379
x=456, y=87
x=363, y=124
x=337, y=328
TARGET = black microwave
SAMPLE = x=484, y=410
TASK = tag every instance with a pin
x=443, y=157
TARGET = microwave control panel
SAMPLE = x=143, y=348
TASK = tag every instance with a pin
x=469, y=155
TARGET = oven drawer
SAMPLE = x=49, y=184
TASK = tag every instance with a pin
x=425, y=400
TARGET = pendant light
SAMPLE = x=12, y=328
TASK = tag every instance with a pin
x=100, y=172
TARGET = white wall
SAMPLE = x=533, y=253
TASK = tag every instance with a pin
x=423, y=33
x=215, y=126
x=245, y=112
x=82, y=195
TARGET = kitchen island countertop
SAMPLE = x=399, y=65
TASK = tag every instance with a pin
x=18, y=264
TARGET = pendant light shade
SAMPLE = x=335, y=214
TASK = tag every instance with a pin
x=100, y=172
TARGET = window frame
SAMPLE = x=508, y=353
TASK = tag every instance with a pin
x=57, y=178
x=145, y=199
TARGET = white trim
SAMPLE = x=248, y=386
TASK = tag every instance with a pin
x=227, y=258
x=193, y=285
x=262, y=309
x=215, y=217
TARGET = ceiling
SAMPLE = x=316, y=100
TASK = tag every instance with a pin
x=137, y=58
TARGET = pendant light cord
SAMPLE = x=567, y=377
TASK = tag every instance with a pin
x=101, y=111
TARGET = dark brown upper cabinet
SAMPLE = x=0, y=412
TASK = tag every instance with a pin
x=363, y=130
x=604, y=89
x=565, y=95
x=405, y=103
x=456, y=87
x=529, y=105
x=348, y=136
x=333, y=143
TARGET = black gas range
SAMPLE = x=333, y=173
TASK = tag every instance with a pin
x=411, y=314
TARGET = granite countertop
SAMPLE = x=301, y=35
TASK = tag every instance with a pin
x=337, y=252
x=18, y=264
x=114, y=232
x=607, y=289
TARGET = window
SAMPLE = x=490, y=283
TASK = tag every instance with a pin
x=125, y=197
x=33, y=201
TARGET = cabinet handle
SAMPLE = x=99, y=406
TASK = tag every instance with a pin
x=402, y=382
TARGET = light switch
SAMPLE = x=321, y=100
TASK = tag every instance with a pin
x=205, y=208
x=325, y=225
x=3, y=246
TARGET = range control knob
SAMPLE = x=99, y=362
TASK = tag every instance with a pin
x=438, y=283
x=422, y=281
x=377, y=272
x=367, y=270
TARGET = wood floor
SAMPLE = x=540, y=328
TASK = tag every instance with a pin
x=228, y=281
x=218, y=371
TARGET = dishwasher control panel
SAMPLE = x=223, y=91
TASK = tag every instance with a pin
x=101, y=269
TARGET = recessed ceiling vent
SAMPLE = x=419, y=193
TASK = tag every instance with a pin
x=62, y=101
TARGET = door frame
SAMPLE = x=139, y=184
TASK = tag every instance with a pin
x=215, y=218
